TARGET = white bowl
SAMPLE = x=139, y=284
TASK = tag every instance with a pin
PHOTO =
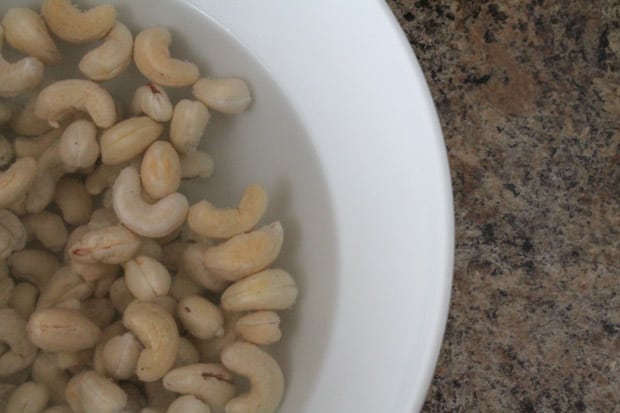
x=344, y=136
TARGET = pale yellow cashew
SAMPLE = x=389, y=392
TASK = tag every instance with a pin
x=30, y=397
x=152, y=56
x=197, y=164
x=153, y=101
x=72, y=25
x=261, y=327
x=19, y=77
x=146, y=278
x=25, y=123
x=111, y=58
x=24, y=299
x=120, y=356
x=17, y=181
x=128, y=139
x=73, y=200
x=188, y=125
x=35, y=146
x=78, y=145
x=192, y=264
x=21, y=351
x=59, y=329
x=45, y=370
x=13, y=235
x=272, y=289
x=25, y=31
x=47, y=228
x=226, y=95
x=160, y=170
x=201, y=318
x=110, y=245
x=188, y=404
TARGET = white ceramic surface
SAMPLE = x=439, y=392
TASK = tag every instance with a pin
x=344, y=136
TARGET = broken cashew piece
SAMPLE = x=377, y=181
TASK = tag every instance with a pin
x=226, y=95
x=272, y=289
x=19, y=77
x=203, y=319
x=110, y=245
x=189, y=122
x=152, y=56
x=21, y=351
x=153, y=101
x=261, y=327
x=78, y=145
x=59, y=329
x=146, y=278
x=75, y=26
x=111, y=58
x=160, y=170
x=17, y=181
x=128, y=139
x=89, y=392
x=25, y=31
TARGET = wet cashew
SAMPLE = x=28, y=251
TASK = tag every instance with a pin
x=146, y=278
x=264, y=374
x=110, y=245
x=150, y=248
x=153, y=101
x=21, y=352
x=196, y=164
x=78, y=145
x=160, y=170
x=120, y=295
x=188, y=125
x=64, y=285
x=101, y=178
x=45, y=370
x=187, y=353
x=59, y=329
x=188, y=404
x=35, y=146
x=245, y=254
x=92, y=393
x=47, y=228
x=272, y=289
x=25, y=31
x=19, y=77
x=120, y=356
x=128, y=139
x=193, y=265
x=157, y=331
x=200, y=317
x=26, y=123
x=72, y=25
x=30, y=397
x=17, y=181
x=205, y=219
x=149, y=220
x=261, y=327
x=13, y=234
x=35, y=266
x=50, y=170
x=226, y=95
x=7, y=153
x=182, y=286
x=64, y=97
x=111, y=58
x=73, y=200
x=24, y=299
x=152, y=56
x=211, y=383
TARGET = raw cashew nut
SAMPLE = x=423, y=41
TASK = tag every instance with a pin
x=160, y=170
x=50, y=170
x=72, y=25
x=19, y=77
x=211, y=383
x=25, y=31
x=45, y=370
x=188, y=125
x=59, y=329
x=101, y=178
x=73, y=200
x=158, y=333
x=30, y=397
x=272, y=289
x=188, y=404
x=120, y=356
x=153, y=101
x=120, y=295
x=196, y=164
x=245, y=254
x=47, y=228
x=35, y=266
x=24, y=299
x=110, y=245
x=128, y=139
x=13, y=234
x=62, y=98
x=261, y=327
x=227, y=95
x=7, y=153
x=26, y=123
x=187, y=353
x=182, y=286
x=111, y=58
x=96, y=394
x=264, y=374
x=152, y=56
x=205, y=219
x=193, y=265
x=17, y=181
x=78, y=145
x=21, y=351
x=149, y=220
x=200, y=317
x=146, y=278
x=35, y=146
x=63, y=286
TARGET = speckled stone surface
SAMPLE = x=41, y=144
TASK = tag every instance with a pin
x=528, y=93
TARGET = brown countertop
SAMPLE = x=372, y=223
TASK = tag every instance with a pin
x=528, y=93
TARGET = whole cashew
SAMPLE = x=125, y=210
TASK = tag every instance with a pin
x=188, y=125
x=187, y=353
x=45, y=370
x=47, y=228
x=152, y=56
x=17, y=181
x=200, y=317
x=188, y=404
x=211, y=383
x=19, y=77
x=25, y=31
x=128, y=139
x=149, y=220
x=73, y=200
x=72, y=25
x=196, y=164
x=226, y=95
x=99, y=310
x=245, y=254
x=30, y=397
x=59, y=329
x=120, y=356
x=26, y=123
x=13, y=232
x=61, y=98
x=160, y=170
x=207, y=220
x=24, y=299
x=153, y=101
x=193, y=265
x=110, y=245
x=120, y=295
x=272, y=289
x=64, y=285
x=261, y=327
x=264, y=374
x=21, y=352
x=146, y=278
x=35, y=146
x=182, y=286
x=111, y=58
x=157, y=331
x=50, y=170
x=7, y=153
x=35, y=266
x=93, y=393
x=78, y=145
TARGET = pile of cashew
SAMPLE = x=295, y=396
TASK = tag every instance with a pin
x=116, y=294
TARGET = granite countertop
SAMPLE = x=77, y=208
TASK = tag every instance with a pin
x=528, y=93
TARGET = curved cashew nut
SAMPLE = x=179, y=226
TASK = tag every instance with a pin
x=146, y=278
x=205, y=219
x=30, y=397
x=7, y=153
x=272, y=289
x=245, y=254
x=200, y=317
x=110, y=245
x=50, y=170
x=13, y=232
x=61, y=98
x=111, y=58
x=152, y=56
x=193, y=265
x=59, y=329
x=78, y=145
x=128, y=139
x=160, y=170
x=187, y=353
x=17, y=181
x=226, y=95
x=73, y=200
x=45, y=370
x=120, y=356
x=211, y=383
x=25, y=123
x=19, y=77
x=188, y=404
x=149, y=220
x=24, y=299
x=196, y=164
x=188, y=125
x=35, y=266
x=261, y=327
x=101, y=178
x=25, y=31
x=35, y=146
x=72, y=25
x=153, y=101
x=13, y=332
x=264, y=374
x=47, y=228
x=63, y=286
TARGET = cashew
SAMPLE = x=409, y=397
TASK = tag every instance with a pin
x=113, y=330
x=196, y=165
x=6, y=112
x=19, y=77
x=149, y=220
x=194, y=266
x=62, y=98
x=64, y=285
x=111, y=245
x=159, y=398
x=245, y=254
x=146, y=278
x=153, y=101
x=188, y=125
x=74, y=237
x=30, y=397
x=93, y=271
x=7, y=153
x=264, y=374
x=172, y=254
x=47, y=228
x=50, y=170
x=35, y=266
x=45, y=370
x=101, y=178
x=26, y=123
x=74, y=361
x=17, y=181
x=120, y=295
x=13, y=232
x=101, y=218
x=72, y=393
x=157, y=331
x=97, y=394
x=167, y=303
x=35, y=146
x=120, y=356
x=24, y=299
x=211, y=383
x=111, y=58
x=78, y=145
x=152, y=56
x=19, y=207
x=207, y=220
x=188, y=404
x=6, y=290
x=182, y=286
x=73, y=200
x=187, y=353
x=226, y=95
x=128, y=139
x=150, y=248
x=261, y=327
x=72, y=25
x=200, y=317
x=58, y=329
x=25, y=31
x=160, y=170
x=272, y=289
x=13, y=333
x=103, y=283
